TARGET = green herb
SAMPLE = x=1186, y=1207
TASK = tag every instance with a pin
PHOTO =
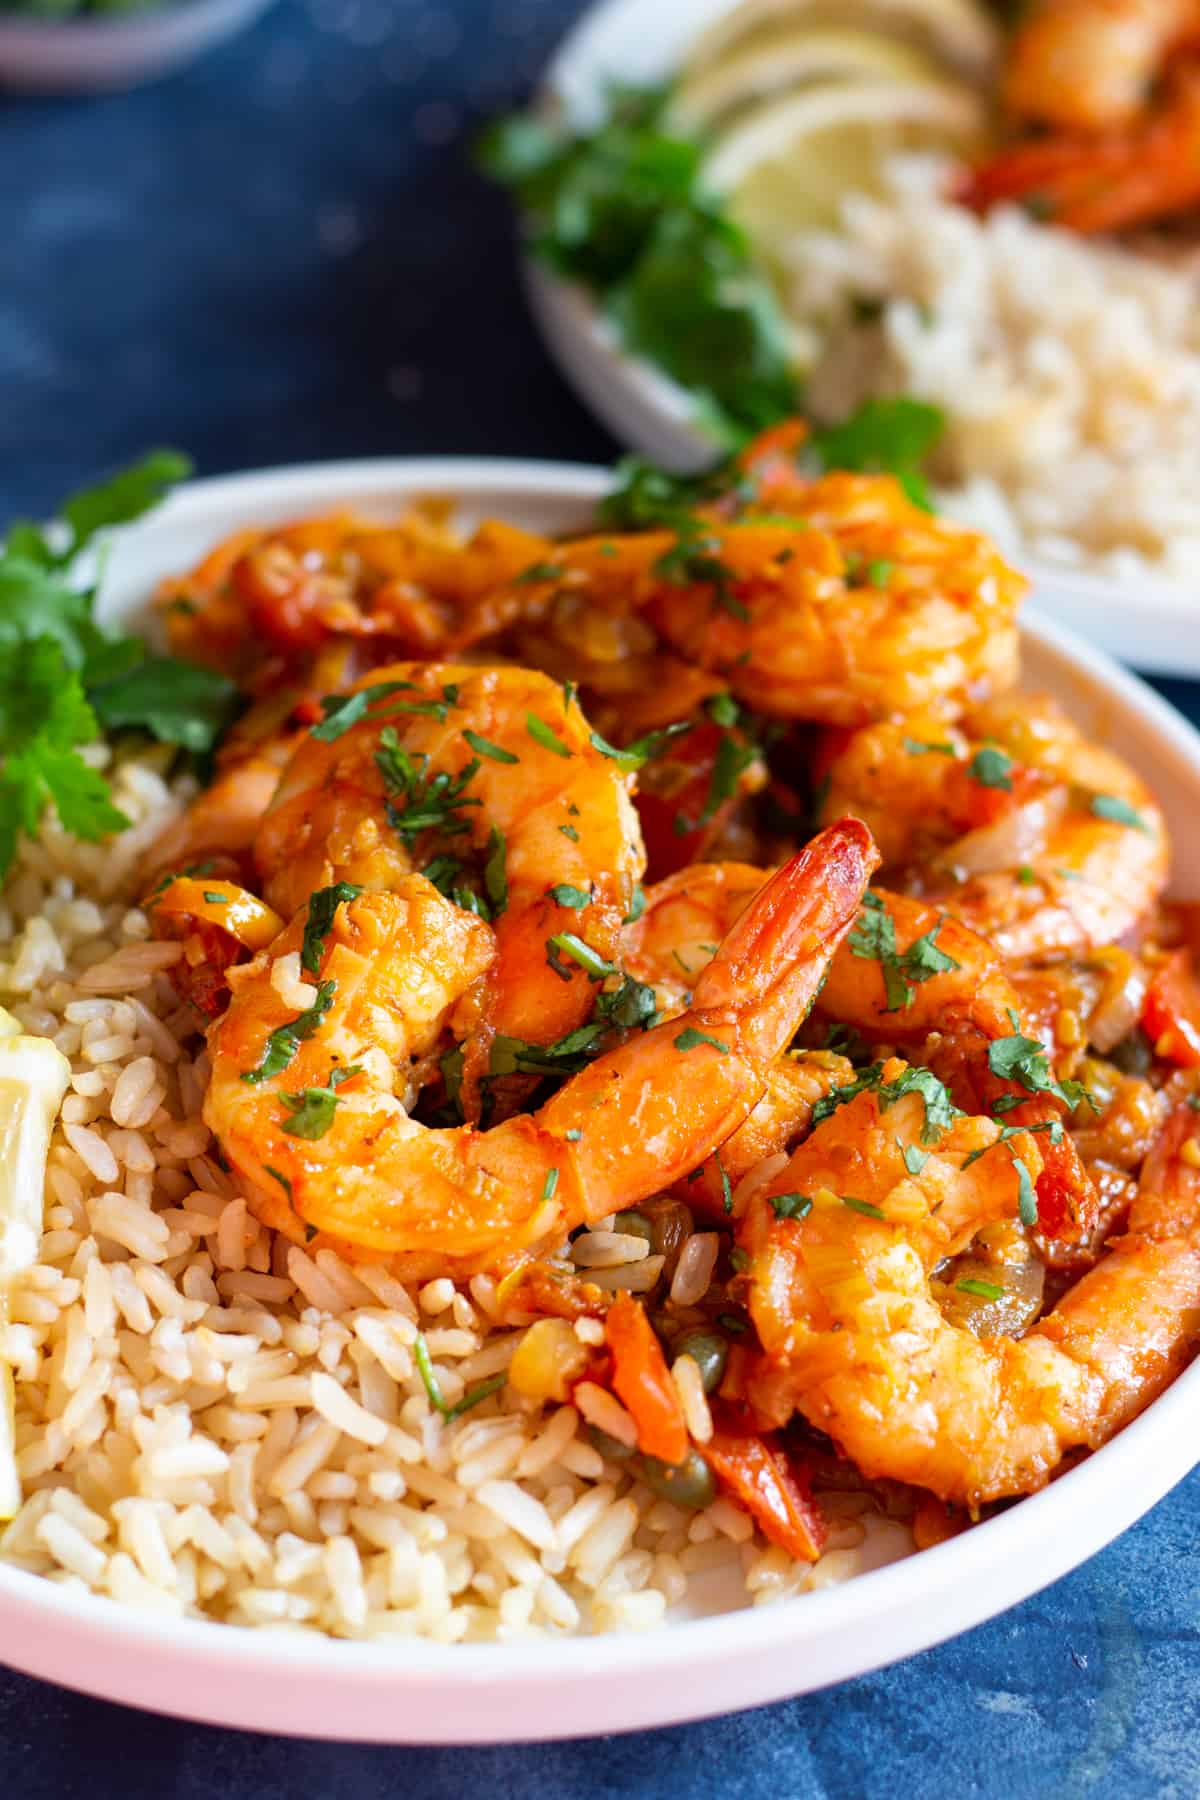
x=791, y=1206
x=879, y=573
x=637, y=905
x=573, y=1136
x=344, y=710
x=539, y=571
x=893, y=436
x=731, y=1322
x=283, y=1181
x=940, y=1111
x=1111, y=806
x=541, y=734
x=1026, y=876
x=635, y=756
x=63, y=678
x=418, y=801
x=874, y=939
x=691, y=561
x=484, y=747
x=283, y=1043
x=1192, y=1100
x=985, y=1290
x=991, y=767
x=312, y=1109
x=914, y=1159
x=630, y=1007
x=549, y=1185
x=1053, y=1128
x=866, y=1207
x=726, y=1189
x=569, y=831
x=731, y=760
x=1024, y=1060
x=739, y=1261
x=216, y=899
x=917, y=747
x=495, y=872
x=566, y=943
x=623, y=208
x=690, y=1038
x=563, y=894
x=722, y=709
x=1026, y=1194
x=433, y=1388
x=322, y=907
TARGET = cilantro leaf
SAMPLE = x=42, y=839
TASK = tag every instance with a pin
x=940, y=1111
x=283, y=1043
x=312, y=1109
x=176, y=702
x=893, y=436
x=991, y=767
x=1023, y=1060
x=874, y=939
x=322, y=908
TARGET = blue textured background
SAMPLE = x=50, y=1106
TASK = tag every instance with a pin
x=281, y=255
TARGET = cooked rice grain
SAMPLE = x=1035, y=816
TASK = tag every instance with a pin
x=213, y=1423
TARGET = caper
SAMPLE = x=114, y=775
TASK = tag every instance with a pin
x=634, y=1224
x=611, y=1448
x=689, y=1483
x=709, y=1352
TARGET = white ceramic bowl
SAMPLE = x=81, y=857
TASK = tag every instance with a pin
x=97, y=53
x=421, y=1692
x=1153, y=624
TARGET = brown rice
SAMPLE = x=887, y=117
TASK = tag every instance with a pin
x=213, y=1422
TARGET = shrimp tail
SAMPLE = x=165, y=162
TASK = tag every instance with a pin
x=775, y=957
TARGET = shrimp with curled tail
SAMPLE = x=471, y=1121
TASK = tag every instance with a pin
x=488, y=779
x=855, y=1339
x=1022, y=828
x=307, y=1103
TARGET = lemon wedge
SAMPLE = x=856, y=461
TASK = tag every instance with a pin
x=34, y=1075
x=785, y=164
x=783, y=57
x=960, y=31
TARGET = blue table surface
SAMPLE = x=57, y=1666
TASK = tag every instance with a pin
x=282, y=254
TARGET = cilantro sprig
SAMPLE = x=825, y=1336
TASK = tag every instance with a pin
x=64, y=677
x=940, y=1110
x=874, y=939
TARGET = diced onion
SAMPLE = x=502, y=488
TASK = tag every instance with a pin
x=1017, y=838
x=1119, y=1007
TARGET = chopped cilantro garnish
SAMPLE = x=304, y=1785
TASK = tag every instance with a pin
x=631, y=1006
x=433, y=1387
x=567, y=943
x=892, y=435
x=418, y=801
x=940, y=1111
x=1112, y=807
x=283, y=1181
x=495, y=875
x=215, y=899
x=322, y=908
x=539, y=571
x=791, y=1206
x=484, y=747
x=312, y=1109
x=690, y=1039
x=726, y=1189
x=344, y=710
x=991, y=767
x=1025, y=875
x=569, y=831
x=985, y=1290
x=920, y=747
x=722, y=709
x=731, y=760
x=636, y=755
x=874, y=939
x=283, y=1043
x=1024, y=1060
x=914, y=1158
x=1026, y=1194
x=637, y=905
x=866, y=1207
x=563, y=894
x=550, y=1183
x=541, y=734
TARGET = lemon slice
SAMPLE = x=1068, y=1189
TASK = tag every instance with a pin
x=786, y=164
x=962, y=31
x=784, y=57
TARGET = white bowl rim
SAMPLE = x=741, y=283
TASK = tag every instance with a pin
x=1067, y=1521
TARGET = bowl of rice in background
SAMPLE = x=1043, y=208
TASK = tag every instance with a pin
x=239, y=1505
x=1067, y=369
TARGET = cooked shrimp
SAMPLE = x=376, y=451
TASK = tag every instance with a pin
x=304, y=1096
x=438, y=764
x=684, y=919
x=1088, y=64
x=1044, y=842
x=854, y=1336
x=858, y=606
